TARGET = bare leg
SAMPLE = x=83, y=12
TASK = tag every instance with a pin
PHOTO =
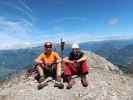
x=84, y=80
x=58, y=83
x=58, y=72
x=41, y=73
x=40, y=70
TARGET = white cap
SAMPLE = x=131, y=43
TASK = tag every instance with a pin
x=75, y=45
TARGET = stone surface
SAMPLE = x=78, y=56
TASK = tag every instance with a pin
x=104, y=84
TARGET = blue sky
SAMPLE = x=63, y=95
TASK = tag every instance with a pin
x=30, y=22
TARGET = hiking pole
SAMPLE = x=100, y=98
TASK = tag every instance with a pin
x=62, y=43
x=62, y=48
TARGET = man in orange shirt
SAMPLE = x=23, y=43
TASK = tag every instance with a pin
x=49, y=64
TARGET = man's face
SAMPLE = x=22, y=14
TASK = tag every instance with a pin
x=48, y=48
x=75, y=50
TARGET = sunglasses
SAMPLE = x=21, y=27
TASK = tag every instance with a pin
x=48, y=46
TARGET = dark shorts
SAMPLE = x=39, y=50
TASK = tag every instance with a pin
x=50, y=71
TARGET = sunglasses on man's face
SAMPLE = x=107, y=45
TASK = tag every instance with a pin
x=75, y=48
x=48, y=46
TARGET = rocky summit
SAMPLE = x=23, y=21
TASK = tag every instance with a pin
x=106, y=82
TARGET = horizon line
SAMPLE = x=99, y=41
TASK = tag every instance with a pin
x=27, y=45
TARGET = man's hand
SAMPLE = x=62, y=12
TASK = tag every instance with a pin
x=71, y=62
x=78, y=61
x=47, y=65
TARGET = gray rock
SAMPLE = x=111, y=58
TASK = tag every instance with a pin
x=104, y=84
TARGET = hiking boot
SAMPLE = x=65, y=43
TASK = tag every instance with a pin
x=40, y=86
x=84, y=81
x=70, y=84
x=69, y=81
x=59, y=85
x=41, y=79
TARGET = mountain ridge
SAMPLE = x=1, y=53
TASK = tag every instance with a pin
x=106, y=82
x=21, y=58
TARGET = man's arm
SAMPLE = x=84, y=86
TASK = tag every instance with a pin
x=58, y=60
x=57, y=57
x=66, y=60
x=83, y=58
x=38, y=60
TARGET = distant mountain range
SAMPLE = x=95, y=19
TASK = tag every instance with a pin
x=14, y=60
x=117, y=51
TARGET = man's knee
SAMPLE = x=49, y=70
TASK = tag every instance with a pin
x=84, y=67
x=39, y=66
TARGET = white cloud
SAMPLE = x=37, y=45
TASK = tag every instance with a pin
x=118, y=37
x=113, y=21
x=22, y=2
x=63, y=19
x=19, y=6
x=19, y=29
x=16, y=30
x=78, y=38
x=15, y=33
x=86, y=37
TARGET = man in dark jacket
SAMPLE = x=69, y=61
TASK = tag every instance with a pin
x=76, y=64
